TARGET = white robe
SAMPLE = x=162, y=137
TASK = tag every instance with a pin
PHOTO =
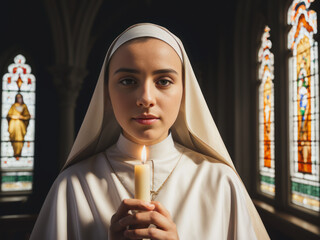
x=205, y=199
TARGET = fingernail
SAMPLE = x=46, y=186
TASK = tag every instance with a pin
x=149, y=205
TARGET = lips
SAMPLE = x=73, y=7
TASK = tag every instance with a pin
x=146, y=119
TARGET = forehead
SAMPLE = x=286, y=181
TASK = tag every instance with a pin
x=144, y=48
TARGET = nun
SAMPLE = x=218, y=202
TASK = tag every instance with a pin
x=147, y=95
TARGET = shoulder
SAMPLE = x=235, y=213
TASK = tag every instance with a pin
x=90, y=166
x=13, y=106
x=208, y=168
x=222, y=174
x=88, y=176
x=209, y=162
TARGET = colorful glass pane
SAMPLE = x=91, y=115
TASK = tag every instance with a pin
x=304, y=106
x=16, y=181
x=266, y=116
x=17, y=126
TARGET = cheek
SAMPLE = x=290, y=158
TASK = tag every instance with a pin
x=120, y=105
x=172, y=106
x=117, y=101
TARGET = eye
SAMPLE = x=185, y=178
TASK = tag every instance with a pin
x=164, y=82
x=128, y=82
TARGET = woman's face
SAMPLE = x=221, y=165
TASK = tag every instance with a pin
x=145, y=88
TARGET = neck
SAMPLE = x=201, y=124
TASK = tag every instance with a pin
x=154, y=151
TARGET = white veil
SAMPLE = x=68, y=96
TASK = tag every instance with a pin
x=194, y=127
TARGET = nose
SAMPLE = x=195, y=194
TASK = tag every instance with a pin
x=146, y=97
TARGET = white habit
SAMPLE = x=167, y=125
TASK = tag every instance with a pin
x=205, y=199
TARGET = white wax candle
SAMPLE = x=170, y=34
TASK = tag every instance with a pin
x=142, y=179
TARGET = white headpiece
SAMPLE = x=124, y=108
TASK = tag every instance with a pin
x=146, y=31
x=194, y=127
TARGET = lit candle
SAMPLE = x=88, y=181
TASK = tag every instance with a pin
x=142, y=178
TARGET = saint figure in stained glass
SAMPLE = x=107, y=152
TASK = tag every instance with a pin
x=18, y=120
x=304, y=121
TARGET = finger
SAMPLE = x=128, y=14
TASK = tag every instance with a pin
x=153, y=233
x=122, y=225
x=117, y=226
x=147, y=218
x=161, y=209
x=131, y=204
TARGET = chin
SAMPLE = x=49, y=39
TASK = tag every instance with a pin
x=149, y=137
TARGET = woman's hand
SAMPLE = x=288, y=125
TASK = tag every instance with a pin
x=165, y=228
x=136, y=226
x=117, y=228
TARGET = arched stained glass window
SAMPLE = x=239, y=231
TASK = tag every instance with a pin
x=266, y=116
x=304, y=105
x=17, y=127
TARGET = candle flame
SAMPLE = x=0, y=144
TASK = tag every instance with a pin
x=144, y=155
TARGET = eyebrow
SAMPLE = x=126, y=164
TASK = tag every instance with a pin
x=167, y=70
x=127, y=70
x=131, y=70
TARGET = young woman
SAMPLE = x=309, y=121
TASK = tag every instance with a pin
x=147, y=94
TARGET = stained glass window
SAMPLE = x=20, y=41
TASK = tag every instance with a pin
x=304, y=106
x=266, y=116
x=17, y=126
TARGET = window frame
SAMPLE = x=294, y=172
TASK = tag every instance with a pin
x=281, y=204
x=20, y=201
